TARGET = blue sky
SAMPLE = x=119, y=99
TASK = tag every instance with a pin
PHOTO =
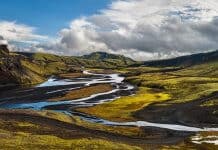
x=140, y=29
x=48, y=16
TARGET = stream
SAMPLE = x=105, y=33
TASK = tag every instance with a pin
x=26, y=99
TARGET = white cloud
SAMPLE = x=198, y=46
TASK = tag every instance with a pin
x=19, y=33
x=143, y=29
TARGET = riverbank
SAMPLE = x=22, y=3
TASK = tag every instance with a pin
x=121, y=111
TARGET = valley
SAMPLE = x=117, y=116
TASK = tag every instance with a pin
x=108, y=102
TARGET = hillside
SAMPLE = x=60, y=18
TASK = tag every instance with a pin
x=185, y=61
x=94, y=60
x=12, y=70
x=117, y=60
x=31, y=68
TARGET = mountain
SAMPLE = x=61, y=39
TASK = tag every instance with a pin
x=12, y=70
x=185, y=61
x=105, y=56
x=117, y=60
x=3, y=50
x=94, y=60
x=31, y=68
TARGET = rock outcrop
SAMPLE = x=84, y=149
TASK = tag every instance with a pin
x=4, y=49
x=12, y=70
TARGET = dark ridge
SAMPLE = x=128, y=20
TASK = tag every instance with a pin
x=185, y=61
x=4, y=49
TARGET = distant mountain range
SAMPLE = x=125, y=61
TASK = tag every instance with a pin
x=93, y=60
x=185, y=61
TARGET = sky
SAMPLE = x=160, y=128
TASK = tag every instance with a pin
x=140, y=29
x=48, y=16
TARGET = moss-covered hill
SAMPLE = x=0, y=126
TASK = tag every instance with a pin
x=184, y=61
x=30, y=68
x=94, y=60
x=109, y=59
x=13, y=71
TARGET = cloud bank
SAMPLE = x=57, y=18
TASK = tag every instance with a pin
x=140, y=29
x=19, y=35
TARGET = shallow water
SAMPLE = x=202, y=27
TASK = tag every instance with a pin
x=95, y=99
x=198, y=139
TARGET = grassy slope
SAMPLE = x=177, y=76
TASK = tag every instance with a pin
x=23, y=140
x=166, y=88
x=30, y=68
x=36, y=135
x=92, y=60
x=14, y=72
x=122, y=108
x=156, y=85
x=188, y=60
x=116, y=60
